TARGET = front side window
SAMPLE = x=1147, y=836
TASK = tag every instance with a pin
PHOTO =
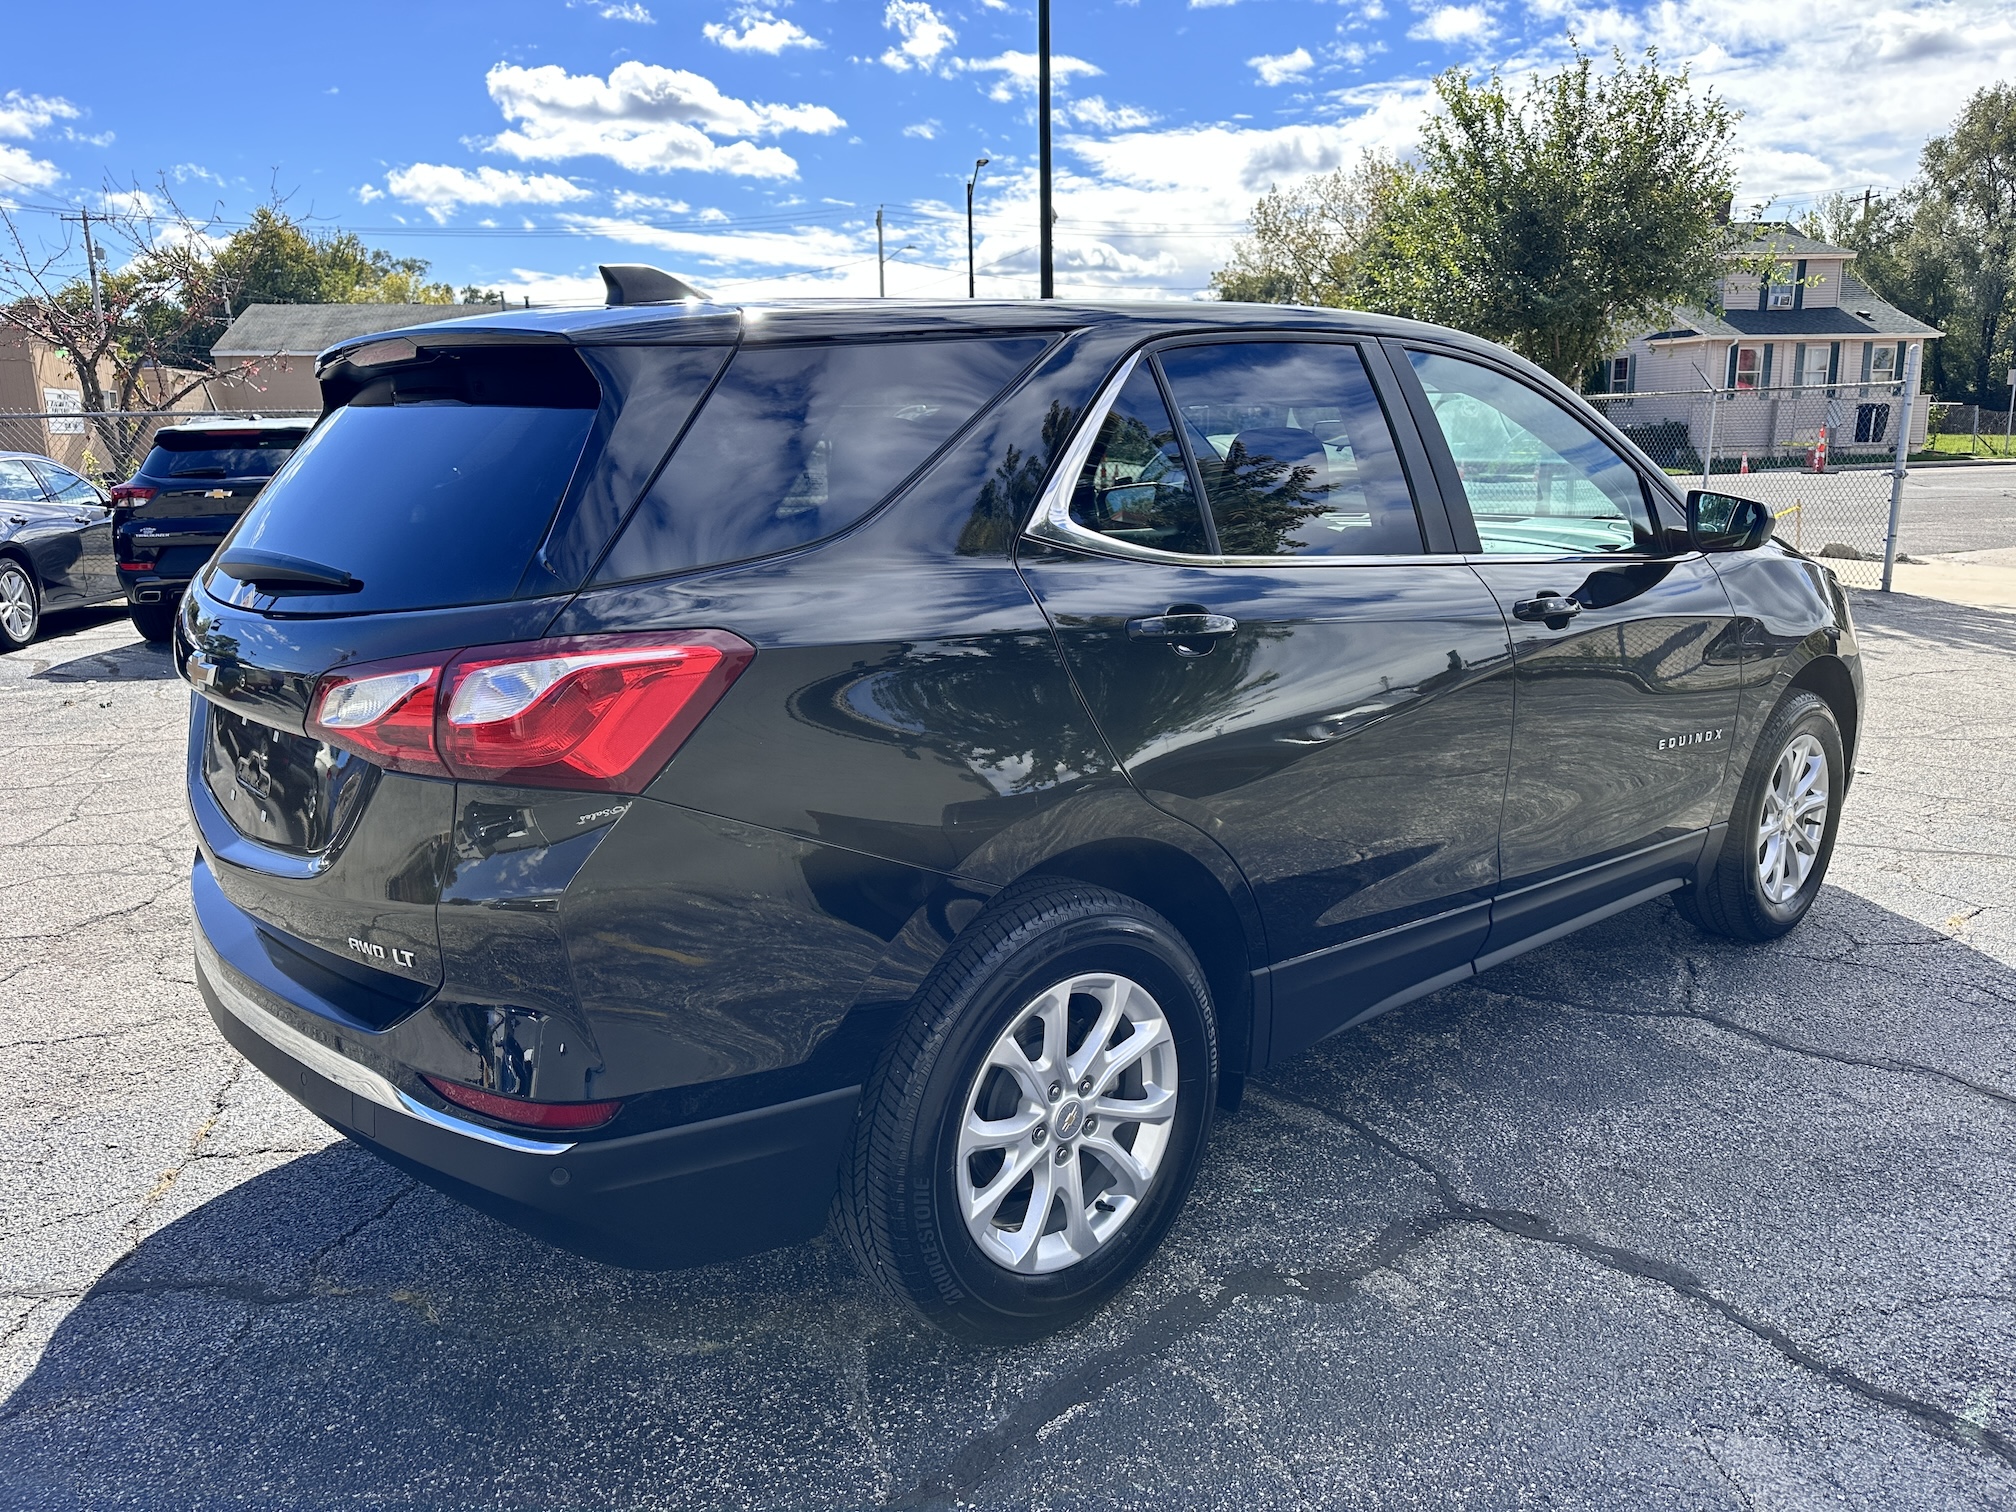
x=1538, y=481
x=1296, y=456
x=1134, y=486
x=796, y=443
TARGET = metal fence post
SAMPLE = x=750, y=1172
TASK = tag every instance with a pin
x=1907, y=403
x=1708, y=452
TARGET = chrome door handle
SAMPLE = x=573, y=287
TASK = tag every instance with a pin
x=1181, y=627
x=1554, y=608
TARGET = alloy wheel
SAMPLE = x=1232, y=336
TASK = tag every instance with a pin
x=1065, y=1126
x=1794, y=820
x=17, y=603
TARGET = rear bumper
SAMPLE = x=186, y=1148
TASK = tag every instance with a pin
x=657, y=1200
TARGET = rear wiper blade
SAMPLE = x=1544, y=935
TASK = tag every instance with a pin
x=271, y=569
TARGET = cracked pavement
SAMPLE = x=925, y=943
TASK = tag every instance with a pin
x=1640, y=1219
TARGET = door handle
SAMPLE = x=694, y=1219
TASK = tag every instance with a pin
x=1556, y=609
x=1181, y=627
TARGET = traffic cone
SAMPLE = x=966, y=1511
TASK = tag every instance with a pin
x=1745, y=468
x=1820, y=452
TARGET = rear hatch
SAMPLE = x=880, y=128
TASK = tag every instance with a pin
x=191, y=490
x=453, y=497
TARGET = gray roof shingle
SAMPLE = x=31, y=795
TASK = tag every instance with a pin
x=302, y=330
x=1860, y=315
x=1780, y=240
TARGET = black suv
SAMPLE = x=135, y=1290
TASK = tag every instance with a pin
x=169, y=516
x=668, y=773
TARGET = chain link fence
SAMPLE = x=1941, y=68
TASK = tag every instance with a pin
x=1971, y=430
x=1820, y=459
x=107, y=448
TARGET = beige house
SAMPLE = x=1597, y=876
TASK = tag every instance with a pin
x=1805, y=346
x=268, y=353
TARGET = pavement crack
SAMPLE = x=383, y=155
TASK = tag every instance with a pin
x=1677, y=1279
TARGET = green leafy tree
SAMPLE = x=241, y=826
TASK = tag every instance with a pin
x=1944, y=249
x=1560, y=220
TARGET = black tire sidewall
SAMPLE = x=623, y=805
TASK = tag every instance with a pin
x=1808, y=716
x=989, y=1299
x=8, y=642
x=155, y=622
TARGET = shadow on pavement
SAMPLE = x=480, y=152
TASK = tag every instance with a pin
x=328, y=1333
x=1937, y=620
x=139, y=662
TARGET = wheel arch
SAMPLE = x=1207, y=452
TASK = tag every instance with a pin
x=1183, y=890
x=1828, y=678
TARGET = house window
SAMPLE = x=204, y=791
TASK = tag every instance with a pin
x=1883, y=364
x=1781, y=296
x=1620, y=375
x=1749, y=363
x=1799, y=365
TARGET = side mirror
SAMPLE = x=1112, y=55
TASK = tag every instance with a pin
x=1721, y=522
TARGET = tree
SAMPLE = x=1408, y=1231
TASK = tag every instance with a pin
x=167, y=285
x=1308, y=240
x=1562, y=220
x=1944, y=249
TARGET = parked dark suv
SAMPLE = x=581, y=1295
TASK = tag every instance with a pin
x=169, y=516
x=665, y=774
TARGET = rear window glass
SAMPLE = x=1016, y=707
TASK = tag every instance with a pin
x=427, y=489
x=246, y=455
x=796, y=443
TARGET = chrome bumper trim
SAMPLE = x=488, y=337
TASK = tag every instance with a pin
x=360, y=1081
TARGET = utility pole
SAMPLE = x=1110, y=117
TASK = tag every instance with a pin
x=91, y=261
x=978, y=164
x=1047, y=281
x=881, y=281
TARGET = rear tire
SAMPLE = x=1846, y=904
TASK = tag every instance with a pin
x=156, y=622
x=987, y=1190
x=20, y=605
x=1781, y=831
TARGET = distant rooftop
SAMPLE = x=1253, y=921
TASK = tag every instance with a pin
x=302, y=330
x=1780, y=239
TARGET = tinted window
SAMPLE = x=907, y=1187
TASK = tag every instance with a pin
x=68, y=487
x=1539, y=481
x=243, y=454
x=1134, y=486
x=18, y=484
x=1294, y=449
x=429, y=504
x=796, y=443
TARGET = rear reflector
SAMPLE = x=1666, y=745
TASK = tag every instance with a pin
x=524, y=1111
x=599, y=713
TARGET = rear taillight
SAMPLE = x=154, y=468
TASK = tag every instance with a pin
x=131, y=493
x=522, y=1110
x=595, y=712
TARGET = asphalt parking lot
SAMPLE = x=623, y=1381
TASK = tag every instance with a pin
x=1641, y=1220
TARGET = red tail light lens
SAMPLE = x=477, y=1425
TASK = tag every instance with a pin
x=522, y=1110
x=131, y=493
x=597, y=713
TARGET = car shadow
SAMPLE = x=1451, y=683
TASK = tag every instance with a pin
x=137, y=662
x=1964, y=626
x=330, y=1333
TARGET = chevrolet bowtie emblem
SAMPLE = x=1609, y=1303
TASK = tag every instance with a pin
x=218, y=493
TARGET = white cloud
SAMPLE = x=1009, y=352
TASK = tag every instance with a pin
x=23, y=115
x=20, y=169
x=1454, y=23
x=135, y=202
x=617, y=10
x=1093, y=111
x=759, y=31
x=1017, y=71
x=924, y=36
x=928, y=130
x=627, y=203
x=1282, y=68
x=439, y=188
x=645, y=118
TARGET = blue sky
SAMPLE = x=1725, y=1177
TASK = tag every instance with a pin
x=747, y=146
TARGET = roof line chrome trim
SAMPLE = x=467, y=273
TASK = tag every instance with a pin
x=360, y=1081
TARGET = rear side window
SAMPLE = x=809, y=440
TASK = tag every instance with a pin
x=435, y=485
x=241, y=454
x=1294, y=449
x=796, y=443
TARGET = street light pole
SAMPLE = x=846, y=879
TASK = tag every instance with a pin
x=1047, y=281
x=881, y=280
x=978, y=164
